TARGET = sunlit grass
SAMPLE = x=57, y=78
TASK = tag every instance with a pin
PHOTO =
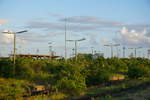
x=54, y=96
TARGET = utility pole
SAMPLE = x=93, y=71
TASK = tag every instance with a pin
x=111, y=47
x=73, y=52
x=50, y=50
x=76, y=49
x=14, y=51
x=117, y=51
x=37, y=51
x=65, y=38
x=148, y=53
x=135, y=50
x=75, y=41
x=124, y=52
x=92, y=48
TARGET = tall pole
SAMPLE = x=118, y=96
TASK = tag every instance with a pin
x=111, y=47
x=14, y=52
x=111, y=50
x=76, y=50
x=116, y=45
x=118, y=52
x=124, y=52
x=50, y=51
x=148, y=53
x=75, y=41
x=14, y=56
x=92, y=50
x=135, y=50
x=65, y=38
x=73, y=51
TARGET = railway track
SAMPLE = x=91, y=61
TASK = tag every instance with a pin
x=117, y=92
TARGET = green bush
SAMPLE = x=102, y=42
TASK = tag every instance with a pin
x=70, y=76
x=138, y=71
x=97, y=74
x=67, y=78
x=11, y=89
x=6, y=68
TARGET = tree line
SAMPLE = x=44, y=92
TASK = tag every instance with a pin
x=72, y=77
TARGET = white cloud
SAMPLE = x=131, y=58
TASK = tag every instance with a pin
x=81, y=23
x=59, y=26
x=91, y=20
x=104, y=41
x=9, y=38
x=133, y=37
x=3, y=21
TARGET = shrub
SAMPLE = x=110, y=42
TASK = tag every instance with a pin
x=68, y=79
x=97, y=75
x=11, y=89
x=138, y=71
x=6, y=68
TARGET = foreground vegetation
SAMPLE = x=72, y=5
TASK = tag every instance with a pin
x=67, y=78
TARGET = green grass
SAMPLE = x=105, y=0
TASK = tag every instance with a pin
x=54, y=96
x=12, y=88
x=110, y=98
x=125, y=84
x=99, y=90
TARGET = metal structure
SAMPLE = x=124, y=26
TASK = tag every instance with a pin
x=75, y=41
x=14, y=52
x=65, y=38
x=111, y=47
x=124, y=48
x=148, y=53
x=92, y=48
x=50, y=49
x=118, y=51
x=135, y=50
x=73, y=52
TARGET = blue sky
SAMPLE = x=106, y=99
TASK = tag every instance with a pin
x=99, y=21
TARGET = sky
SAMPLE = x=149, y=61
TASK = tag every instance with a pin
x=101, y=22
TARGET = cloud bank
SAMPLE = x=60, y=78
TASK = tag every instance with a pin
x=81, y=24
x=133, y=37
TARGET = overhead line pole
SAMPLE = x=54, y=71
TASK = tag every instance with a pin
x=75, y=41
x=65, y=38
x=124, y=52
x=111, y=47
x=92, y=50
x=14, y=52
x=135, y=50
x=14, y=59
x=50, y=50
x=76, y=49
